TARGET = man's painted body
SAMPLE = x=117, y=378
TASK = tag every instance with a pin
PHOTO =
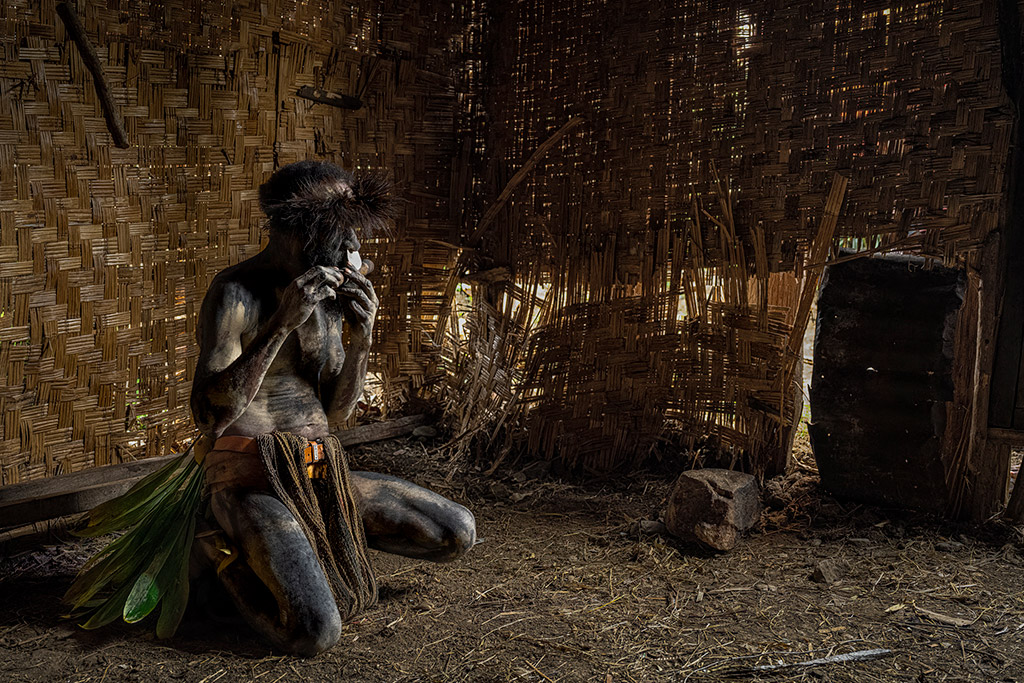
x=272, y=359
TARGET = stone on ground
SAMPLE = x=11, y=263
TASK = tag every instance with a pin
x=713, y=507
x=827, y=572
x=424, y=432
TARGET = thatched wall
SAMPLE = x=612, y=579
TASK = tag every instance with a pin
x=105, y=253
x=618, y=296
x=630, y=314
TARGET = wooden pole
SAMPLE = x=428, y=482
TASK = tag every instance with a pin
x=988, y=460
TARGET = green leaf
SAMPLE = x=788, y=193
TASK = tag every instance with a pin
x=110, y=610
x=131, y=507
x=174, y=580
x=151, y=586
x=148, y=565
x=124, y=558
x=142, y=599
x=114, y=565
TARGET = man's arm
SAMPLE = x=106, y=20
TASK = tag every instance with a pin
x=342, y=383
x=343, y=378
x=229, y=376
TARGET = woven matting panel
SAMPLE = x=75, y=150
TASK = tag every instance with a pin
x=106, y=253
x=644, y=320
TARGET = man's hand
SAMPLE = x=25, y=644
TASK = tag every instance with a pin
x=305, y=293
x=361, y=311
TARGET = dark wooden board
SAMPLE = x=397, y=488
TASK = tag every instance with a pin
x=882, y=380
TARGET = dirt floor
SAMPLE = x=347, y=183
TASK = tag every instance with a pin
x=565, y=586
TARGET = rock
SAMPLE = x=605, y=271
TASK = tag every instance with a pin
x=827, y=572
x=776, y=497
x=537, y=469
x=500, y=490
x=713, y=506
x=651, y=526
x=424, y=432
x=948, y=546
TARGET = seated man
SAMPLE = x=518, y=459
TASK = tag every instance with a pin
x=271, y=360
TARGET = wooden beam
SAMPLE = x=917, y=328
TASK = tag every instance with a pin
x=987, y=468
x=69, y=494
x=988, y=464
x=379, y=431
x=1012, y=437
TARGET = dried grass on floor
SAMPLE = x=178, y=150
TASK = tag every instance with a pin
x=564, y=589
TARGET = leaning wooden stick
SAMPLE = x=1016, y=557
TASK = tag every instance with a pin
x=92, y=62
x=474, y=239
x=818, y=253
x=519, y=177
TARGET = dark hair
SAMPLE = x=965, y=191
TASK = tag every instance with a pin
x=311, y=199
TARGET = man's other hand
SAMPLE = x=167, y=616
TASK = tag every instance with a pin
x=361, y=311
x=304, y=294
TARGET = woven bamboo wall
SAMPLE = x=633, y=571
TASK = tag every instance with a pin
x=629, y=312
x=641, y=298
x=105, y=253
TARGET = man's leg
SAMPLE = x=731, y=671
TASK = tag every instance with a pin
x=277, y=583
x=403, y=518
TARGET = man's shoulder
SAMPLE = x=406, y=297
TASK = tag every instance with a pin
x=243, y=282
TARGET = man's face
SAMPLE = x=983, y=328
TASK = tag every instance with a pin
x=329, y=248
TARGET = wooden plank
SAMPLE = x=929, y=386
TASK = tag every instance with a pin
x=986, y=473
x=379, y=431
x=1012, y=437
x=69, y=494
x=60, y=485
x=882, y=369
x=67, y=502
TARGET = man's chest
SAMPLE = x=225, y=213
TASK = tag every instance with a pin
x=312, y=346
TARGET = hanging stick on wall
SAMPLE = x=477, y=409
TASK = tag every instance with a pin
x=74, y=27
x=324, y=97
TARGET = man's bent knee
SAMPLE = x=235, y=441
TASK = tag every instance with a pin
x=318, y=632
x=459, y=534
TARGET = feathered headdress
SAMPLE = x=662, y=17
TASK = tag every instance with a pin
x=319, y=206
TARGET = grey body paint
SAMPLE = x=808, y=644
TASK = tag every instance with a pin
x=256, y=375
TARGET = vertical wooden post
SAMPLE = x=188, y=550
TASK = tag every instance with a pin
x=988, y=461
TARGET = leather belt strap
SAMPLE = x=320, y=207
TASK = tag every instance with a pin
x=235, y=461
